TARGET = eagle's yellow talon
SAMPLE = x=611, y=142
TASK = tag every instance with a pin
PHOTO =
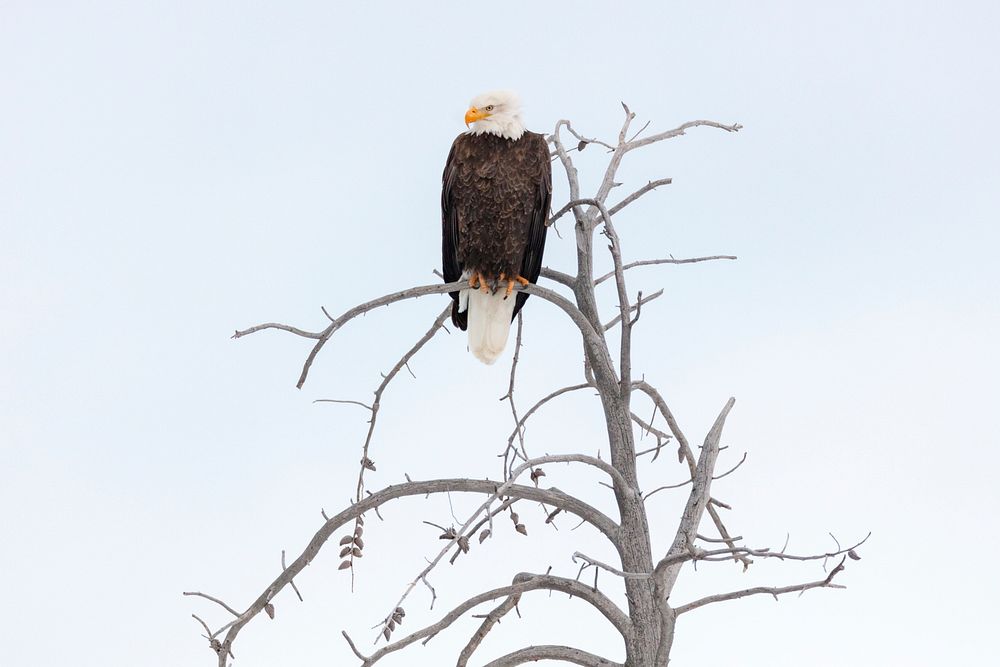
x=510, y=284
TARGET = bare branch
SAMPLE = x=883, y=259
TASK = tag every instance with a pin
x=717, y=540
x=558, y=276
x=412, y=293
x=685, y=483
x=685, y=454
x=506, y=489
x=666, y=572
x=316, y=335
x=665, y=487
x=724, y=533
x=561, y=653
x=323, y=336
x=586, y=140
x=552, y=497
x=350, y=642
x=366, y=462
x=540, y=403
x=625, y=356
x=482, y=522
x=522, y=583
x=484, y=628
x=648, y=187
x=208, y=633
x=509, y=397
x=661, y=404
x=762, y=590
x=567, y=163
x=290, y=581
x=680, y=130
x=733, y=469
x=570, y=205
x=723, y=554
x=671, y=260
x=344, y=401
x=215, y=600
x=639, y=131
x=661, y=437
x=593, y=562
x=644, y=300
x=388, y=378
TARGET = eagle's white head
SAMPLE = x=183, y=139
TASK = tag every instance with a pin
x=496, y=113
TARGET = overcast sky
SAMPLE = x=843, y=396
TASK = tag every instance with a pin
x=171, y=171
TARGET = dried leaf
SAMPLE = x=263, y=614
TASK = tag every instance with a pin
x=483, y=535
x=536, y=473
x=463, y=544
x=514, y=517
x=358, y=531
x=343, y=566
x=346, y=539
x=368, y=464
x=392, y=624
x=269, y=608
x=854, y=555
x=386, y=632
x=580, y=146
x=521, y=529
x=345, y=551
x=359, y=542
x=356, y=552
x=449, y=534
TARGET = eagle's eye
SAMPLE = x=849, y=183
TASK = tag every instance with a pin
x=489, y=108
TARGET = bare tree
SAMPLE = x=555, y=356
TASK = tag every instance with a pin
x=648, y=573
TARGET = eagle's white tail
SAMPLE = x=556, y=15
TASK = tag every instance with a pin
x=489, y=323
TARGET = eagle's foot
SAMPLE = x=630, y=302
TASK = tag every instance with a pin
x=510, y=284
x=478, y=281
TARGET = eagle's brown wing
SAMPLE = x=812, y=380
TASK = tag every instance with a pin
x=538, y=166
x=451, y=267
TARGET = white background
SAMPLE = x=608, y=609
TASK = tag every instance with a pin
x=172, y=171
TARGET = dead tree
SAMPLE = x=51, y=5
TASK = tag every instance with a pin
x=648, y=572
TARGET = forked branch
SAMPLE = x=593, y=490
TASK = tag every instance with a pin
x=826, y=582
x=523, y=583
x=321, y=337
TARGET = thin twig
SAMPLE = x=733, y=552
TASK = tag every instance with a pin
x=215, y=600
x=671, y=260
x=762, y=590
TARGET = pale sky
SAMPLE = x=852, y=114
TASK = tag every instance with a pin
x=172, y=171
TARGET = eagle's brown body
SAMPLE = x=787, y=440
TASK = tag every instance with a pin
x=494, y=203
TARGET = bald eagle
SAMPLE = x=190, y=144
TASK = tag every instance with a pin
x=496, y=191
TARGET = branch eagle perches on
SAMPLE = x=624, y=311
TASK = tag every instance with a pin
x=647, y=573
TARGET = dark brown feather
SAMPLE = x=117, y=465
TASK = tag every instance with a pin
x=495, y=200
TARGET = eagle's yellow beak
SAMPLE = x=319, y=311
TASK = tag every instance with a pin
x=474, y=114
